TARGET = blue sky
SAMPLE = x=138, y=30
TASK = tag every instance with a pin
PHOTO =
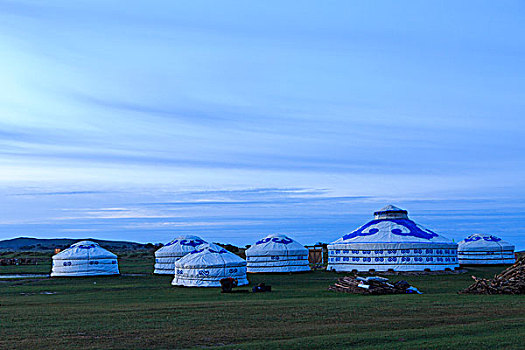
x=141, y=120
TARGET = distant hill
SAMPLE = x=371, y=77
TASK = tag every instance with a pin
x=37, y=244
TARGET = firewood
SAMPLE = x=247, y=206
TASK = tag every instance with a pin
x=510, y=281
x=359, y=285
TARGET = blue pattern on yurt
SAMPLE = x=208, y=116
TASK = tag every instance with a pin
x=413, y=230
x=192, y=242
x=86, y=246
x=275, y=239
x=211, y=250
x=189, y=242
x=474, y=238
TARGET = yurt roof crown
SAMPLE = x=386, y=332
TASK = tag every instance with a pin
x=391, y=212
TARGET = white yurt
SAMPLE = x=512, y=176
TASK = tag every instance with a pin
x=478, y=249
x=206, y=266
x=392, y=242
x=166, y=256
x=277, y=253
x=85, y=258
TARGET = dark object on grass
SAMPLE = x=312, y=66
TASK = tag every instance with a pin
x=227, y=284
x=261, y=288
x=510, y=281
x=401, y=285
x=371, y=285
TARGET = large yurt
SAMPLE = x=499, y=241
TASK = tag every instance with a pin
x=207, y=265
x=478, y=249
x=166, y=256
x=277, y=253
x=85, y=258
x=392, y=242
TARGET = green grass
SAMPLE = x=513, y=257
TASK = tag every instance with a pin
x=147, y=312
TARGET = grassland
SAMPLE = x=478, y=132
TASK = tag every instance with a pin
x=136, y=312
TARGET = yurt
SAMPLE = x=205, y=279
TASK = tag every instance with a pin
x=478, y=249
x=84, y=258
x=277, y=253
x=392, y=242
x=166, y=256
x=206, y=266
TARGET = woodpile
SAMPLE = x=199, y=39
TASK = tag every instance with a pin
x=371, y=285
x=510, y=281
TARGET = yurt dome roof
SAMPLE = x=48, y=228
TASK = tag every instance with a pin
x=392, y=225
x=210, y=255
x=180, y=245
x=84, y=250
x=275, y=244
x=483, y=241
x=85, y=244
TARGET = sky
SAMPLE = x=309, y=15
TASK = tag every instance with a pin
x=145, y=120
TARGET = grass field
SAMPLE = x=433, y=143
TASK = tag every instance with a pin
x=136, y=312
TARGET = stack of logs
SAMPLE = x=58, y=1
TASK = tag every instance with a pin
x=510, y=281
x=371, y=285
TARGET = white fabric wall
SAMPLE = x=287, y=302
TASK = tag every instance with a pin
x=397, y=257
x=277, y=264
x=486, y=258
x=78, y=268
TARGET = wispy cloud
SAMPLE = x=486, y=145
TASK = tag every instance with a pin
x=65, y=193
